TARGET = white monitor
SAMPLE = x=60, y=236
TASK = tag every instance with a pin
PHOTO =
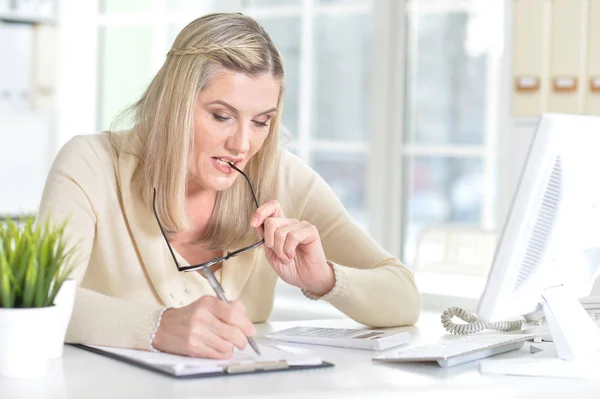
x=549, y=250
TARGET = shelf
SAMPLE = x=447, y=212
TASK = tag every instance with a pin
x=26, y=18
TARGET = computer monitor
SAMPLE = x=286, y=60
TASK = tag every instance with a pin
x=549, y=250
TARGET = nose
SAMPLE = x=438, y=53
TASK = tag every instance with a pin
x=239, y=141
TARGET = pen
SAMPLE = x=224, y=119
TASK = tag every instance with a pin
x=210, y=276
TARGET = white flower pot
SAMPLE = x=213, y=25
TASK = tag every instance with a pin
x=58, y=328
x=24, y=344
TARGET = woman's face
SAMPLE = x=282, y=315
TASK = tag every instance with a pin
x=231, y=122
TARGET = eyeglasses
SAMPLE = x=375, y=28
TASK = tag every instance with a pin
x=216, y=260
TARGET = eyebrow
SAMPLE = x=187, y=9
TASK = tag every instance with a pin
x=235, y=111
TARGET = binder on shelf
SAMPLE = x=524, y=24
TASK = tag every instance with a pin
x=595, y=84
x=592, y=95
x=43, y=66
x=530, y=52
x=568, y=34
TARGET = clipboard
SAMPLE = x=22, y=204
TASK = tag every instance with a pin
x=210, y=368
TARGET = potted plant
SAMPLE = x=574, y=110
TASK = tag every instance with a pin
x=34, y=264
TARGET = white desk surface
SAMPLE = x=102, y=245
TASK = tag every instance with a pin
x=82, y=374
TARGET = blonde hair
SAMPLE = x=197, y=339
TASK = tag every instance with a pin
x=162, y=134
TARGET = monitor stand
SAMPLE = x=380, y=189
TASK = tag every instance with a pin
x=576, y=352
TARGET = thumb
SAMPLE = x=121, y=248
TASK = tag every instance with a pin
x=261, y=231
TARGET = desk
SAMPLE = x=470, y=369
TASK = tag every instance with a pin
x=81, y=374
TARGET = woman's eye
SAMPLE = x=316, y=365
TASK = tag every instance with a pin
x=220, y=118
x=261, y=124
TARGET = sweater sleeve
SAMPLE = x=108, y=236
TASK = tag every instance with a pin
x=372, y=287
x=73, y=192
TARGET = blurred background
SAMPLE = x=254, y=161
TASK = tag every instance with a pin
x=418, y=113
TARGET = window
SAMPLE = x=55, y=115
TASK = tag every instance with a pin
x=449, y=173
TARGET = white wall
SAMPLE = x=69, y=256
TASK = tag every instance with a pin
x=24, y=160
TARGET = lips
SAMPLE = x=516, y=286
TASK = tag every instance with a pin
x=223, y=164
x=227, y=160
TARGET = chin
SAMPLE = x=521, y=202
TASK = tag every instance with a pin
x=220, y=183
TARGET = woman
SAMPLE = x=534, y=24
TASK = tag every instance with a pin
x=212, y=112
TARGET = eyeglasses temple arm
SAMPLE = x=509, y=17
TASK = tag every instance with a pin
x=161, y=228
x=234, y=253
x=249, y=183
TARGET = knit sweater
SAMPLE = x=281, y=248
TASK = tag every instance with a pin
x=126, y=275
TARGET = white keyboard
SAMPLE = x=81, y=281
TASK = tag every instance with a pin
x=458, y=350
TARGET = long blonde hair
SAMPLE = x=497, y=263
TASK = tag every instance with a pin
x=163, y=126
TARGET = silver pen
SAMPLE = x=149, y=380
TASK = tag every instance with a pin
x=214, y=283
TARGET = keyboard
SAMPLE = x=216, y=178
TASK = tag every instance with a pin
x=459, y=350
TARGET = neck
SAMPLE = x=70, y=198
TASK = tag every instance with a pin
x=200, y=203
x=196, y=193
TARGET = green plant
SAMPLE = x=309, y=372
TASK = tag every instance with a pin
x=34, y=263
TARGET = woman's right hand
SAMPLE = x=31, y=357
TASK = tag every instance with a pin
x=207, y=328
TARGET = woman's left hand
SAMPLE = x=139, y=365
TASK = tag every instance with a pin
x=294, y=249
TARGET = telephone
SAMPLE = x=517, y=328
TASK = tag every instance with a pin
x=532, y=323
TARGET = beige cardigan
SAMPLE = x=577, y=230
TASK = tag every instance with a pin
x=126, y=274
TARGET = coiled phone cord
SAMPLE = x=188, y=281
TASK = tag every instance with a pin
x=473, y=323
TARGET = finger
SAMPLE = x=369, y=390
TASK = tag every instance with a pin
x=232, y=315
x=215, y=340
x=261, y=231
x=281, y=236
x=239, y=305
x=270, y=226
x=205, y=343
x=270, y=209
x=248, y=329
x=233, y=335
x=228, y=335
x=214, y=331
x=204, y=350
x=305, y=233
